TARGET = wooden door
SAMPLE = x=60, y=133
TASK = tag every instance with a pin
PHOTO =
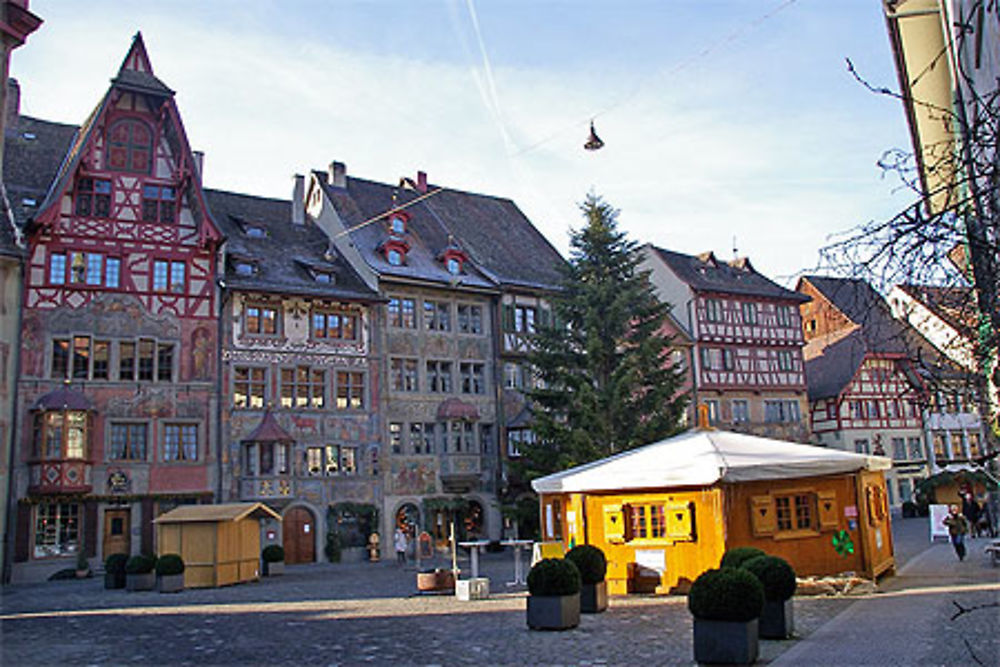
x=117, y=524
x=299, y=536
x=876, y=523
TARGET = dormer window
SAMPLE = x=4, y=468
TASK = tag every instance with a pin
x=245, y=268
x=394, y=257
x=394, y=250
x=454, y=266
x=397, y=225
x=453, y=257
x=255, y=232
x=323, y=276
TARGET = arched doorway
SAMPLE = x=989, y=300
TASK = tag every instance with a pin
x=298, y=535
x=408, y=518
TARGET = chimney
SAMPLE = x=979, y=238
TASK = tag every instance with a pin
x=422, y=181
x=13, y=101
x=337, y=175
x=199, y=164
x=298, y=199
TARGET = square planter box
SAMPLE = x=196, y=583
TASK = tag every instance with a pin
x=170, y=583
x=275, y=569
x=113, y=580
x=727, y=642
x=553, y=612
x=436, y=580
x=777, y=620
x=594, y=597
x=472, y=589
x=140, y=582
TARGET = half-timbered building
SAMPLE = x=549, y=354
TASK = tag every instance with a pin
x=746, y=367
x=300, y=381
x=116, y=396
x=870, y=380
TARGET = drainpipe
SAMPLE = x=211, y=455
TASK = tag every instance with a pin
x=694, y=360
x=11, y=526
x=223, y=297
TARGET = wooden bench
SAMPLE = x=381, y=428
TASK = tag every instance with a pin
x=993, y=549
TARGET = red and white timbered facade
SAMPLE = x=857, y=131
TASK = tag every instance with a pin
x=746, y=367
x=117, y=396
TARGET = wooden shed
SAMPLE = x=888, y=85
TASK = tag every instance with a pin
x=220, y=544
x=666, y=512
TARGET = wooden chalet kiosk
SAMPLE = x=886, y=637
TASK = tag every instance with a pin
x=666, y=512
x=220, y=544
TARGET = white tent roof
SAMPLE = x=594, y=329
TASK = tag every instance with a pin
x=704, y=457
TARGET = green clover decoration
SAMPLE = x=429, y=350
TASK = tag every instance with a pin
x=842, y=543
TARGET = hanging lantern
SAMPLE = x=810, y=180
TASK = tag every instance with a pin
x=593, y=141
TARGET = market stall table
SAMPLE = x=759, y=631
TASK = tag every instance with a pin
x=474, y=546
x=518, y=545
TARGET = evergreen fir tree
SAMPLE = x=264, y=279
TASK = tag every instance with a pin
x=606, y=386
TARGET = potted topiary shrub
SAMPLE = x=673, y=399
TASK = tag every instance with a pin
x=737, y=555
x=274, y=560
x=114, y=571
x=82, y=564
x=778, y=579
x=726, y=604
x=170, y=573
x=554, y=595
x=592, y=564
x=139, y=574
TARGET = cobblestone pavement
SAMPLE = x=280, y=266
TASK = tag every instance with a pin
x=352, y=614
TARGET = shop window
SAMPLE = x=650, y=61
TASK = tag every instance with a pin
x=57, y=529
x=130, y=146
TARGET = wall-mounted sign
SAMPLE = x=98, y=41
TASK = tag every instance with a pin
x=851, y=511
x=118, y=482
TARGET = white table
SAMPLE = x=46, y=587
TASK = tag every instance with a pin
x=474, y=546
x=519, y=546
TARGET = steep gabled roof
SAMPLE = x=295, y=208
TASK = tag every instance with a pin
x=832, y=362
x=283, y=257
x=955, y=306
x=862, y=305
x=503, y=247
x=705, y=273
x=33, y=152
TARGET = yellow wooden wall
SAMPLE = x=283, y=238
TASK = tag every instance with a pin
x=214, y=553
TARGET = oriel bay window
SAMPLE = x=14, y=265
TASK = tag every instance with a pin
x=60, y=435
x=57, y=529
x=303, y=387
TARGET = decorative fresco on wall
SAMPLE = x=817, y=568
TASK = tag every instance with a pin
x=413, y=477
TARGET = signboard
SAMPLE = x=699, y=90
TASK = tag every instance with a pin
x=937, y=515
x=851, y=511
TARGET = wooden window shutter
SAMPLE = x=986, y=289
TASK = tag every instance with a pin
x=614, y=523
x=762, y=516
x=146, y=531
x=828, y=510
x=508, y=318
x=90, y=528
x=680, y=522
x=22, y=539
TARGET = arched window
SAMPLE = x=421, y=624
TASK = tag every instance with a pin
x=130, y=146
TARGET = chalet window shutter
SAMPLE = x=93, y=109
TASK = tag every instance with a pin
x=827, y=504
x=680, y=522
x=763, y=520
x=615, y=520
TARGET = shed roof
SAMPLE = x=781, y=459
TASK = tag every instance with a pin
x=704, y=457
x=218, y=513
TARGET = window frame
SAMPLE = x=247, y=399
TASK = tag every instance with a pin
x=262, y=308
x=67, y=530
x=98, y=196
x=800, y=506
x=346, y=323
x=404, y=374
x=131, y=146
x=472, y=376
x=350, y=395
x=470, y=322
x=249, y=383
x=129, y=453
x=315, y=378
x=437, y=315
x=182, y=454
x=168, y=282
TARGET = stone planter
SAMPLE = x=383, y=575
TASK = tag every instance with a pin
x=777, y=620
x=140, y=582
x=726, y=642
x=472, y=589
x=170, y=583
x=114, y=580
x=553, y=612
x=594, y=597
x=275, y=569
x=436, y=580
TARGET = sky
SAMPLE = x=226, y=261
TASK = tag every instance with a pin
x=728, y=124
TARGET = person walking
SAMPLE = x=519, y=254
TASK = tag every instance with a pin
x=399, y=541
x=958, y=526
